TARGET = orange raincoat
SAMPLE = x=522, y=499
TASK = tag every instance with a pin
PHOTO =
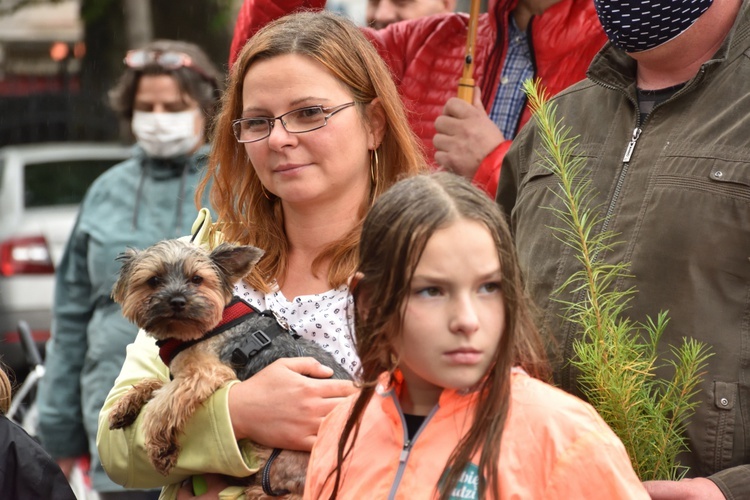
x=554, y=446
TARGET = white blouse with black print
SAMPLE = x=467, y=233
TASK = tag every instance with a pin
x=325, y=318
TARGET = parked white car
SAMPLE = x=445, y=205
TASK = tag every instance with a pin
x=41, y=186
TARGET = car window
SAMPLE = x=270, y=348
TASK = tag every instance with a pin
x=61, y=182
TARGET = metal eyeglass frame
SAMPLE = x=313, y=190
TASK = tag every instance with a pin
x=331, y=110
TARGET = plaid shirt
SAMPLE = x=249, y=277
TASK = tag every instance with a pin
x=510, y=99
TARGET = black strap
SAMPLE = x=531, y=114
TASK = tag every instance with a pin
x=265, y=479
x=234, y=313
x=252, y=344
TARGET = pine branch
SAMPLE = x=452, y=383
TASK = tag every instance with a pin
x=616, y=356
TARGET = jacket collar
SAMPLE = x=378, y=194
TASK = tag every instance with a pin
x=449, y=398
x=166, y=168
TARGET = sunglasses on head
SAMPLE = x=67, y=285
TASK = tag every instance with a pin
x=167, y=59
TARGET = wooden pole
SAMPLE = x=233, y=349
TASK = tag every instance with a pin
x=466, y=82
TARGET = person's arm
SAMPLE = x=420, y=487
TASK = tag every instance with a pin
x=61, y=427
x=208, y=444
x=280, y=407
x=733, y=482
x=730, y=483
x=594, y=465
x=254, y=14
x=298, y=395
x=488, y=174
x=698, y=488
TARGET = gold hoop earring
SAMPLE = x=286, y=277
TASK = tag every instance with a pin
x=374, y=166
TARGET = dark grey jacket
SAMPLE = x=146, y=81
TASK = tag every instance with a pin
x=26, y=470
x=680, y=207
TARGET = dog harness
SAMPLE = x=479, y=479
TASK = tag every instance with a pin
x=234, y=313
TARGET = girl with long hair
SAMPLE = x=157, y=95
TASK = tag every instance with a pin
x=453, y=402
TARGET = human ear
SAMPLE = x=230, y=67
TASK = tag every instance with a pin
x=359, y=292
x=376, y=124
x=354, y=280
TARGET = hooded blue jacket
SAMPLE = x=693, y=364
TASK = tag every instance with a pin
x=134, y=204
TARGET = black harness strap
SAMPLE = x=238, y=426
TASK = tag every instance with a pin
x=265, y=478
x=234, y=313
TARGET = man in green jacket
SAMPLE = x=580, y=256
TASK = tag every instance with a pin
x=663, y=121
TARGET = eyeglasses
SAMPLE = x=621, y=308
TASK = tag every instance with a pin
x=171, y=60
x=297, y=121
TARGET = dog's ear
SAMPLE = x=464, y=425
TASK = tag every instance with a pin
x=120, y=288
x=235, y=261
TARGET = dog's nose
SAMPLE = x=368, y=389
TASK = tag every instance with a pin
x=178, y=303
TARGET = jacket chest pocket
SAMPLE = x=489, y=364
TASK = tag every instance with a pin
x=700, y=208
x=716, y=433
x=731, y=179
x=726, y=176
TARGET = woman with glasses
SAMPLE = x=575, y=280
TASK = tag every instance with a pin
x=311, y=131
x=167, y=97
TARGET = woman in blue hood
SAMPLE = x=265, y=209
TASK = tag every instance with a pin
x=168, y=94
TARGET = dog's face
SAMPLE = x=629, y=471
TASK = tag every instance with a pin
x=175, y=289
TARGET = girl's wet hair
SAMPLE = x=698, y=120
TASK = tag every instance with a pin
x=394, y=236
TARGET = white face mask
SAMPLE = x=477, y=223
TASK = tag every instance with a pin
x=166, y=135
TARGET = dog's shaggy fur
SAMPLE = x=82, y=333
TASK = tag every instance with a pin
x=176, y=290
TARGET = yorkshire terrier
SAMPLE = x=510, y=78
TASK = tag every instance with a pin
x=182, y=295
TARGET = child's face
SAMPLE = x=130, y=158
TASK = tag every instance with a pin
x=454, y=314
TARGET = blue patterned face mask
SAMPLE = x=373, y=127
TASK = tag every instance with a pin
x=638, y=25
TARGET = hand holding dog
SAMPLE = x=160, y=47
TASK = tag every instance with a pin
x=296, y=399
x=465, y=136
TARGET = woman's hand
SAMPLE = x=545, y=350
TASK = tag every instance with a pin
x=283, y=405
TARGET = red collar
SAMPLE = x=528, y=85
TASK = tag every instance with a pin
x=235, y=312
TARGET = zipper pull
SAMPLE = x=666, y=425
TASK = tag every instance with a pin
x=405, y=452
x=631, y=145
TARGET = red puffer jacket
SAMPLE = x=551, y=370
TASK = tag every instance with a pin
x=426, y=56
